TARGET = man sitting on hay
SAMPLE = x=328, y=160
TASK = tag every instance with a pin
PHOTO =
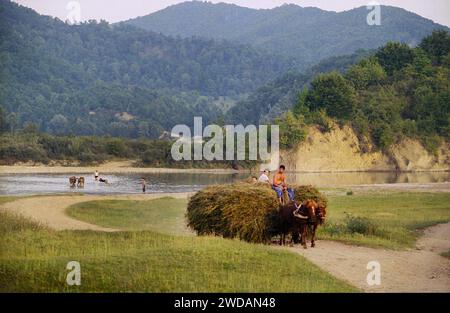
x=280, y=185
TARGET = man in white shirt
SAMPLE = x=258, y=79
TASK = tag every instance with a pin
x=264, y=178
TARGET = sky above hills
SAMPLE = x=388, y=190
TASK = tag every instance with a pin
x=117, y=10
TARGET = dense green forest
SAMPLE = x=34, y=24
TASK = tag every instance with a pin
x=271, y=100
x=80, y=79
x=398, y=92
x=29, y=145
x=307, y=34
x=95, y=79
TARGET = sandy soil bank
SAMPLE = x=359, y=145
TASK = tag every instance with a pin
x=117, y=167
x=341, y=150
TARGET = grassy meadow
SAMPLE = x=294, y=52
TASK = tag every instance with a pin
x=34, y=259
x=384, y=219
x=163, y=215
x=156, y=253
x=141, y=259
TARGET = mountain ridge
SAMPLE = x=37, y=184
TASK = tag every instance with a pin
x=307, y=33
x=76, y=79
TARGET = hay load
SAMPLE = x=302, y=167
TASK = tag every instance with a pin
x=245, y=211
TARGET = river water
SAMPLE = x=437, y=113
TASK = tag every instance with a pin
x=27, y=184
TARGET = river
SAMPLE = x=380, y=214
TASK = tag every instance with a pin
x=30, y=184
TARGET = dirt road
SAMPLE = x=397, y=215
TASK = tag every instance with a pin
x=418, y=270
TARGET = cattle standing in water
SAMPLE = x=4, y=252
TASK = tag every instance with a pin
x=72, y=181
x=80, y=182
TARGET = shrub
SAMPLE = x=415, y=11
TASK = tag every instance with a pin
x=116, y=147
x=360, y=225
x=292, y=130
x=321, y=119
x=244, y=211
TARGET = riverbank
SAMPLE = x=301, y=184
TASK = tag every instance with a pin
x=114, y=167
x=341, y=149
x=128, y=167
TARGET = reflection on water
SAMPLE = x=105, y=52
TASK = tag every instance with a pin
x=367, y=178
x=182, y=182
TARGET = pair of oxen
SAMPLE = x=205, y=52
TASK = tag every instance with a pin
x=300, y=220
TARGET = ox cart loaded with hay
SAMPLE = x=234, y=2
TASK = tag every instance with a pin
x=252, y=212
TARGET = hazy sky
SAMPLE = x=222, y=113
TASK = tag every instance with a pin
x=116, y=10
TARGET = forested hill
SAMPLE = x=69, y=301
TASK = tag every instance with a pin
x=397, y=92
x=278, y=96
x=309, y=34
x=81, y=78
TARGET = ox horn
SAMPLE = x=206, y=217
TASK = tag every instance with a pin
x=298, y=215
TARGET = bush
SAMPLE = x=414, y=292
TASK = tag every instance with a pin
x=116, y=147
x=360, y=225
x=292, y=130
x=244, y=211
x=432, y=143
x=321, y=119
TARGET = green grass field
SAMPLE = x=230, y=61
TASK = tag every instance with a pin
x=34, y=259
x=156, y=252
x=390, y=220
x=384, y=219
x=163, y=215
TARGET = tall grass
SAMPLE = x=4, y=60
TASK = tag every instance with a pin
x=390, y=220
x=34, y=259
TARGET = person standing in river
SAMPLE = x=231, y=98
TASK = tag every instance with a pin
x=96, y=175
x=144, y=184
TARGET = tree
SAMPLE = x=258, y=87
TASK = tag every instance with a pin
x=3, y=121
x=13, y=122
x=421, y=62
x=437, y=45
x=333, y=93
x=30, y=128
x=292, y=130
x=394, y=56
x=58, y=124
x=367, y=72
x=300, y=107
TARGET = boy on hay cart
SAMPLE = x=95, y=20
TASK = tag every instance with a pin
x=280, y=186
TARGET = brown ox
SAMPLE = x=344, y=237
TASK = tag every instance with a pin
x=299, y=220
x=80, y=182
x=72, y=181
x=320, y=215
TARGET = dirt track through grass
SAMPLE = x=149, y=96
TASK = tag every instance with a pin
x=414, y=270
x=50, y=210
